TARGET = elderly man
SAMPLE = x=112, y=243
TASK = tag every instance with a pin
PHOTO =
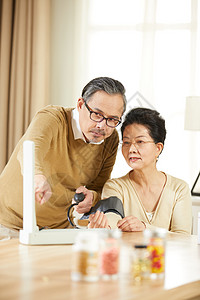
x=75, y=150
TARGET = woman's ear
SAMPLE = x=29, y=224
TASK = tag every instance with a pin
x=159, y=148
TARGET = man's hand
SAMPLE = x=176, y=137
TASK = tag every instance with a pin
x=85, y=205
x=42, y=189
x=131, y=223
x=98, y=220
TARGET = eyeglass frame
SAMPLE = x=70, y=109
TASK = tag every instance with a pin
x=135, y=144
x=103, y=118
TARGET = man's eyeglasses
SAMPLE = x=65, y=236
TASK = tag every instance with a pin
x=140, y=144
x=97, y=117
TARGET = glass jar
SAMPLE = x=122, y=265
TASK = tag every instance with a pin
x=140, y=264
x=156, y=248
x=110, y=255
x=85, y=257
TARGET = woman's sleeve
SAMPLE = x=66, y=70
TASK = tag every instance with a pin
x=181, y=221
x=112, y=188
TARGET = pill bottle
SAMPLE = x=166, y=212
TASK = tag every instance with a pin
x=156, y=247
x=140, y=264
x=125, y=272
x=109, y=260
x=85, y=257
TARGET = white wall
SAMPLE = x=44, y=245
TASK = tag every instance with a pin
x=73, y=64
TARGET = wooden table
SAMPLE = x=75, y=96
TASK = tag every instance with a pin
x=43, y=272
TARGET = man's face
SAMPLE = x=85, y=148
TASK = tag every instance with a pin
x=109, y=106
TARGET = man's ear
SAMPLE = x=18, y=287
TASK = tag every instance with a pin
x=80, y=103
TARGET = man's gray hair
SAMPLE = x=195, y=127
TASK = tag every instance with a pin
x=106, y=84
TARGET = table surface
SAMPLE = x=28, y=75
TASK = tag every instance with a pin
x=43, y=272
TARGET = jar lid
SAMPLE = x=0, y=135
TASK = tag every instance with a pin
x=87, y=236
x=140, y=246
x=116, y=233
x=157, y=232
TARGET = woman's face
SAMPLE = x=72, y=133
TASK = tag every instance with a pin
x=138, y=147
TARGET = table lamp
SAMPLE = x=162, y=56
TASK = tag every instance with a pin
x=192, y=122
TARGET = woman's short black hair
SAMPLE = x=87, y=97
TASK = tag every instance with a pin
x=150, y=118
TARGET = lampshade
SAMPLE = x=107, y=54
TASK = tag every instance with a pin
x=192, y=113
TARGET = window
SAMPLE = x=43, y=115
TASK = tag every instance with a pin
x=153, y=48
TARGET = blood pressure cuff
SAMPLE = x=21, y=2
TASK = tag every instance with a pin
x=111, y=204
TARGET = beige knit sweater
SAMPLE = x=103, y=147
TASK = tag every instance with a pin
x=174, y=209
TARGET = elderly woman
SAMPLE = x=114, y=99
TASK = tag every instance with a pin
x=151, y=198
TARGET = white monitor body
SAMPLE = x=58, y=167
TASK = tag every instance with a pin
x=31, y=235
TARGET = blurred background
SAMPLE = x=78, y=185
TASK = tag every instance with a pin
x=51, y=48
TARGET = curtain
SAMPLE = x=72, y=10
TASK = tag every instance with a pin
x=24, y=68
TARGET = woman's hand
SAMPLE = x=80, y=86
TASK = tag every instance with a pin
x=131, y=223
x=98, y=220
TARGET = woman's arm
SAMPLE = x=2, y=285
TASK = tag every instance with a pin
x=181, y=221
